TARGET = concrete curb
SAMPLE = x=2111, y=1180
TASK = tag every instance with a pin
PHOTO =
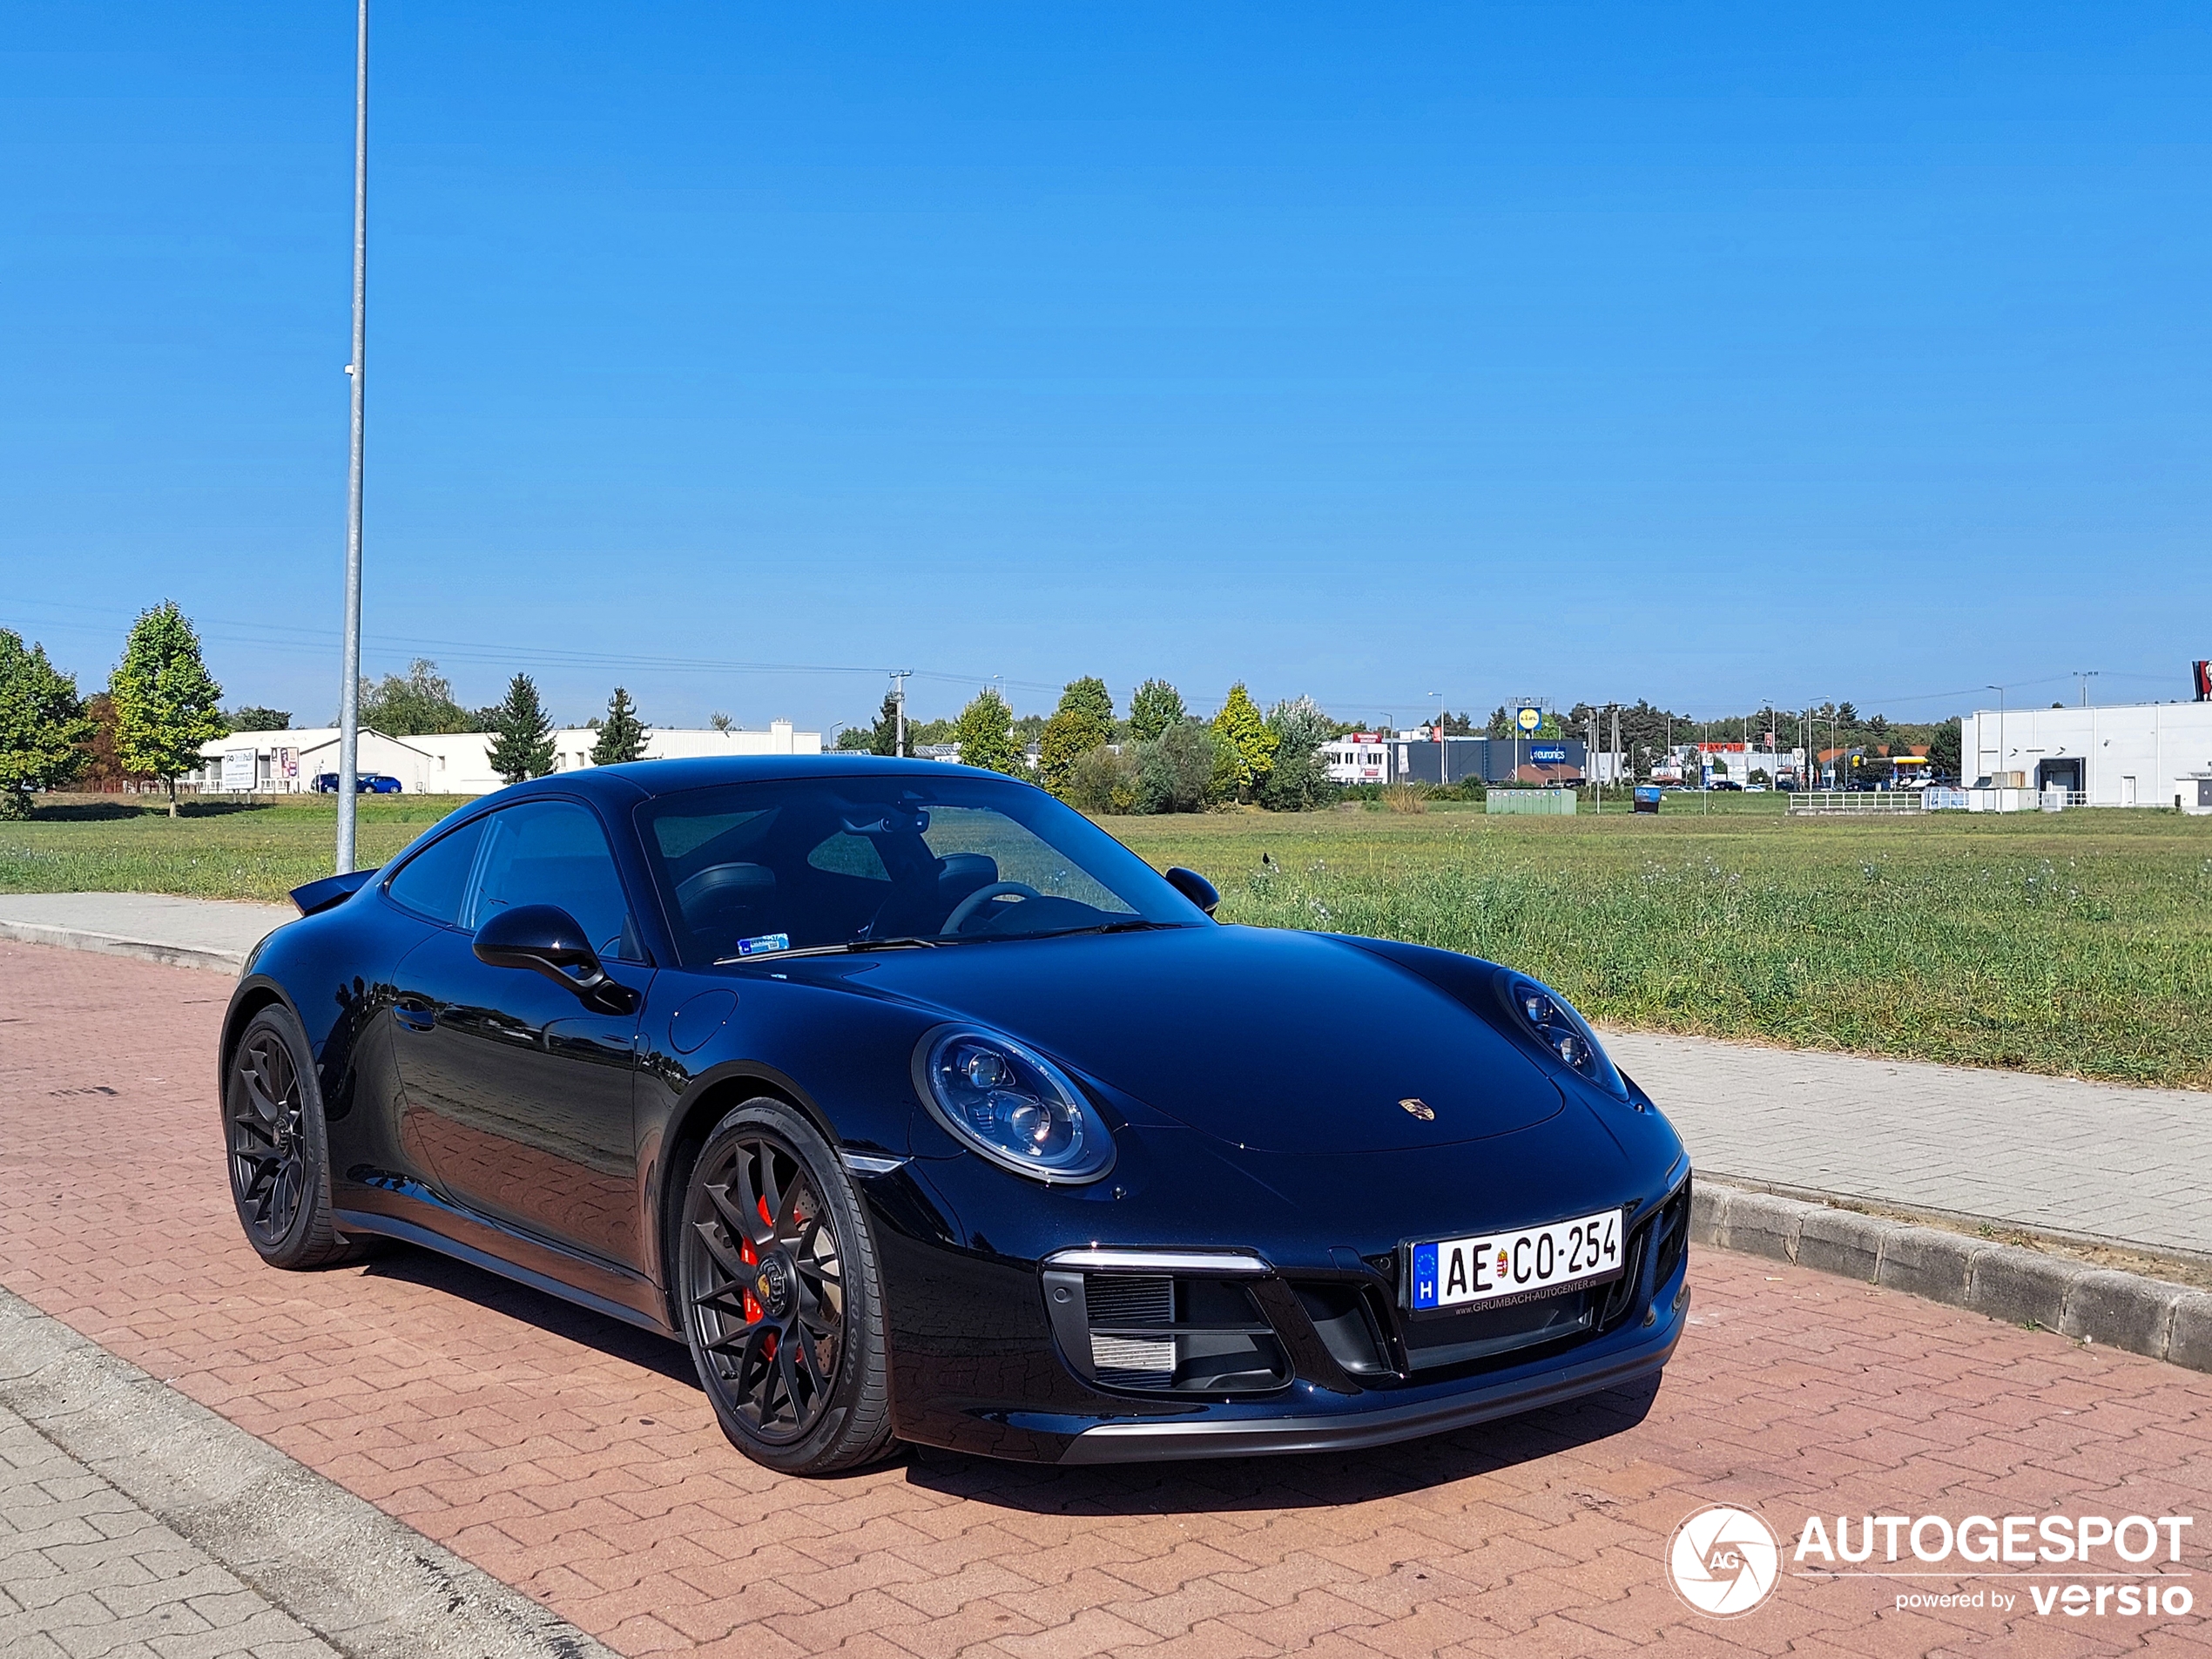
x=39, y=932
x=370, y=1585
x=2144, y=1315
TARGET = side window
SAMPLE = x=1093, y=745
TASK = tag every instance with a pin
x=433, y=881
x=553, y=852
x=845, y=853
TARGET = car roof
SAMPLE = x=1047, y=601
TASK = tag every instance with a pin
x=637, y=780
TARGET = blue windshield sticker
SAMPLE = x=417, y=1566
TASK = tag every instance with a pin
x=763, y=944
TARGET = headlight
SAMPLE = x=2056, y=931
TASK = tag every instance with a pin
x=1014, y=1107
x=1567, y=1035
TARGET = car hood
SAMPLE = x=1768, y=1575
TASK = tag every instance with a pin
x=1268, y=1039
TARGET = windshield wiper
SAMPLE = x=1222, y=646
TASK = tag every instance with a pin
x=907, y=942
x=1135, y=925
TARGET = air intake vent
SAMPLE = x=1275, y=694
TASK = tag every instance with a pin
x=1156, y=1333
x=1126, y=1361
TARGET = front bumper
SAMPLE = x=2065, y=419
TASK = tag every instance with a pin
x=1377, y=1423
x=980, y=1366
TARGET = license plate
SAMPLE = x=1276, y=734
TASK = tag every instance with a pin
x=1489, y=1270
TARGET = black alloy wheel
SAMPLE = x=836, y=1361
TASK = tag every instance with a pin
x=781, y=1305
x=278, y=1145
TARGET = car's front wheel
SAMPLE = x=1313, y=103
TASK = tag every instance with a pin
x=278, y=1145
x=782, y=1305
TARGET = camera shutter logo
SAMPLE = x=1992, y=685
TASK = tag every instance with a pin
x=1723, y=1561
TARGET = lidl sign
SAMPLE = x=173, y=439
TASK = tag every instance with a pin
x=1530, y=718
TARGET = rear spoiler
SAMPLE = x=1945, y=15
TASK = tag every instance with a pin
x=331, y=890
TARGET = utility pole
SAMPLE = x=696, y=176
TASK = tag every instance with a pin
x=2001, y=752
x=349, y=694
x=901, y=675
x=2085, y=675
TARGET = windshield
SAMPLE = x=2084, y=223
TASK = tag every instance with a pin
x=752, y=870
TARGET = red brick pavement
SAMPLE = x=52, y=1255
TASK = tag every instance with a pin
x=574, y=1458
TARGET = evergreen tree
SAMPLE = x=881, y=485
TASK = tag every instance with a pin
x=1083, y=721
x=1155, y=707
x=883, y=736
x=985, y=734
x=622, y=735
x=167, y=704
x=44, y=731
x=522, y=742
x=1247, y=743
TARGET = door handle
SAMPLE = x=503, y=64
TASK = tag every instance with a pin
x=414, y=1019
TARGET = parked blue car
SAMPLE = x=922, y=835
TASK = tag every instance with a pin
x=365, y=783
x=920, y=1108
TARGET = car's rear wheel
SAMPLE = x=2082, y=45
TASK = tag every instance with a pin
x=278, y=1146
x=781, y=1301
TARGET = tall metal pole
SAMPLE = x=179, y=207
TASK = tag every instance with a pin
x=349, y=694
x=899, y=675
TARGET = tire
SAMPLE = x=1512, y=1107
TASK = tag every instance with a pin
x=781, y=1301
x=277, y=1146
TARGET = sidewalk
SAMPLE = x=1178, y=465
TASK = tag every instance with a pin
x=2055, y=1154
x=184, y=933
x=86, y=1573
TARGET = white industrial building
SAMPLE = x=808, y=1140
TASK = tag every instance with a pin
x=447, y=764
x=2131, y=754
x=1359, y=758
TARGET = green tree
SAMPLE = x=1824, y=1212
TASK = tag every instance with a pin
x=44, y=733
x=1175, y=772
x=622, y=734
x=522, y=745
x=1247, y=743
x=167, y=704
x=413, y=703
x=253, y=717
x=1101, y=781
x=883, y=736
x=1083, y=721
x=1155, y=707
x=985, y=734
x=1299, y=779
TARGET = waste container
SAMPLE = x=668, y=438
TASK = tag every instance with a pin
x=1647, y=798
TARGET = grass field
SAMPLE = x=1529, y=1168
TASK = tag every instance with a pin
x=2080, y=943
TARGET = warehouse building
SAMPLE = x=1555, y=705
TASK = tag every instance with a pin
x=2134, y=754
x=448, y=763
x=1494, y=760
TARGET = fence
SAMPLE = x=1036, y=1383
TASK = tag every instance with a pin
x=1855, y=803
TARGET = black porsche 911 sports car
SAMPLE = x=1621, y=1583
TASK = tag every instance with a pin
x=923, y=1109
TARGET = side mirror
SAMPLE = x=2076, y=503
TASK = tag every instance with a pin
x=1194, y=887
x=546, y=939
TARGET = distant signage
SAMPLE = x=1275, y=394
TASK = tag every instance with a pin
x=2204, y=682
x=1530, y=718
x=1547, y=754
x=284, y=763
x=238, y=772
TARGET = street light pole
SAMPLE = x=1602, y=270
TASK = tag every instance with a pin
x=2001, y=766
x=349, y=693
x=899, y=675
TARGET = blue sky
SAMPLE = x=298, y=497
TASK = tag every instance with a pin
x=1712, y=354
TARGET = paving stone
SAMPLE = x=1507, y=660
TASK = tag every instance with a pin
x=1794, y=1392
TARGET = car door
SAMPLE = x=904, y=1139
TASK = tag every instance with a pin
x=518, y=1094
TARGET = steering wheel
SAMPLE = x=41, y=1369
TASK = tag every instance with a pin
x=964, y=911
